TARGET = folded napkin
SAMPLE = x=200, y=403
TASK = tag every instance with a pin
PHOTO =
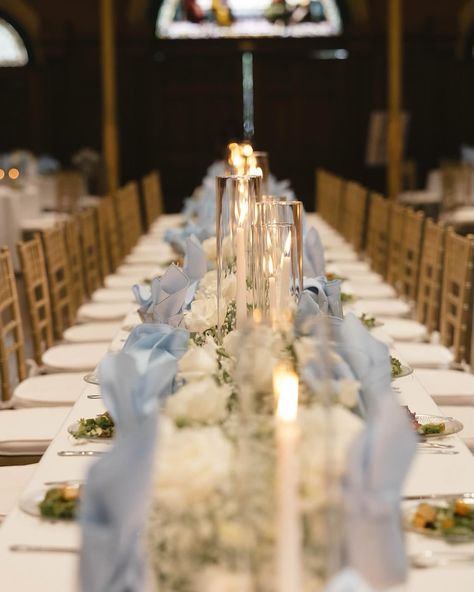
x=327, y=294
x=377, y=465
x=347, y=580
x=149, y=342
x=313, y=258
x=368, y=358
x=166, y=300
x=177, y=236
x=115, y=501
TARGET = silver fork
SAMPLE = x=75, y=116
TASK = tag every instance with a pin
x=42, y=549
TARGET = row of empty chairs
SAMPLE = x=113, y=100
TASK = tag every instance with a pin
x=429, y=270
x=73, y=284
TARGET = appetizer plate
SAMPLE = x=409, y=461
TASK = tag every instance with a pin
x=29, y=503
x=92, y=378
x=405, y=371
x=73, y=428
x=439, y=503
x=452, y=426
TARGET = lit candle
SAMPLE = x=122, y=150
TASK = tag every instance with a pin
x=241, y=293
x=241, y=261
x=288, y=536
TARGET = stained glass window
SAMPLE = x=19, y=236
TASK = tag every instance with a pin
x=12, y=48
x=248, y=18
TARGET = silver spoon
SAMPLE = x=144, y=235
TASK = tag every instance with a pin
x=41, y=549
x=437, y=451
x=429, y=558
x=94, y=396
x=80, y=452
x=435, y=445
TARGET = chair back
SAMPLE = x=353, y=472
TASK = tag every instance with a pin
x=70, y=188
x=354, y=217
x=431, y=265
x=12, y=344
x=90, y=251
x=410, y=254
x=152, y=197
x=335, y=195
x=456, y=298
x=100, y=214
x=395, y=238
x=74, y=254
x=59, y=279
x=128, y=210
x=377, y=233
x=457, y=180
x=114, y=242
x=38, y=301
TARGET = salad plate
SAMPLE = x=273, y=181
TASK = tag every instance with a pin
x=447, y=517
x=96, y=429
x=52, y=503
x=436, y=426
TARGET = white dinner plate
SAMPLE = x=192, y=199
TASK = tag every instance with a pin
x=96, y=311
x=75, y=356
x=29, y=503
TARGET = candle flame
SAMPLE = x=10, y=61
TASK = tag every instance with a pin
x=285, y=387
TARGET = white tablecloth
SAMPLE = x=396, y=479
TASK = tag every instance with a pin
x=48, y=572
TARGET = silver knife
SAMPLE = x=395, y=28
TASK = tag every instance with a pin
x=434, y=496
x=41, y=549
x=80, y=452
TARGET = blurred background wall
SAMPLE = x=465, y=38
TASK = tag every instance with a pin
x=179, y=101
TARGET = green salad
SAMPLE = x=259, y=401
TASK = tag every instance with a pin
x=396, y=366
x=369, y=322
x=101, y=426
x=345, y=297
x=60, y=503
x=452, y=519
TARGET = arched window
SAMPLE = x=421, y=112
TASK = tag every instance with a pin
x=249, y=18
x=12, y=47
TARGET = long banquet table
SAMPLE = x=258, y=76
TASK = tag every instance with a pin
x=48, y=572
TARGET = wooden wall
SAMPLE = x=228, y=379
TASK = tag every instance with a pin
x=180, y=101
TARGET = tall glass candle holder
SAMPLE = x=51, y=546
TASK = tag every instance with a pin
x=276, y=276
x=236, y=196
x=276, y=210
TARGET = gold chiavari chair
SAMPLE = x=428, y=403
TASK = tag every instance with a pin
x=152, y=197
x=59, y=280
x=395, y=237
x=128, y=210
x=102, y=239
x=410, y=254
x=321, y=197
x=70, y=187
x=355, y=203
x=74, y=254
x=26, y=432
x=336, y=201
x=114, y=243
x=456, y=299
x=90, y=251
x=377, y=233
x=431, y=265
x=37, y=295
x=12, y=350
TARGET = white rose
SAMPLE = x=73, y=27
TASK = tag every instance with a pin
x=348, y=392
x=199, y=362
x=209, y=246
x=313, y=422
x=305, y=350
x=231, y=343
x=192, y=465
x=202, y=316
x=208, y=284
x=202, y=401
x=218, y=579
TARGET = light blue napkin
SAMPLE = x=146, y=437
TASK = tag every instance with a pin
x=313, y=259
x=327, y=294
x=377, y=465
x=115, y=500
x=149, y=342
x=347, y=580
x=369, y=360
x=177, y=236
x=166, y=300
